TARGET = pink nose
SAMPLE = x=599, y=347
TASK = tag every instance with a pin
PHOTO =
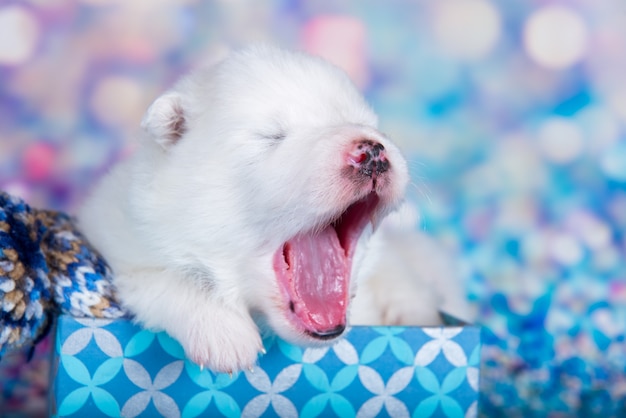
x=369, y=157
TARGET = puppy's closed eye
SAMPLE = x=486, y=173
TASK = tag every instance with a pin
x=276, y=136
x=274, y=132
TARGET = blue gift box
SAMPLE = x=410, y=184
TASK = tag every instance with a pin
x=115, y=368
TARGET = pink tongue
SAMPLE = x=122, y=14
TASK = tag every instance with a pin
x=320, y=273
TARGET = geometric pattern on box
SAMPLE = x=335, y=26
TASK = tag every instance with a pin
x=114, y=368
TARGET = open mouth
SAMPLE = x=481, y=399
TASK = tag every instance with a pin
x=313, y=271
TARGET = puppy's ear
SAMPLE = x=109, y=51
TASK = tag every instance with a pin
x=165, y=120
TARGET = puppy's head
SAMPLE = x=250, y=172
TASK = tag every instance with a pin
x=262, y=174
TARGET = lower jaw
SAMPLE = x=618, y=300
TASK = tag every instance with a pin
x=301, y=334
x=327, y=335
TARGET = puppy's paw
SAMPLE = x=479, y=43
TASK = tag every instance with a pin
x=410, y=309
x=227, y=343
x=398, y=301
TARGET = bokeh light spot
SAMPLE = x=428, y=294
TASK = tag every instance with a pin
x=613, y=162
x=566, y=249
x=38, y=161
x=466, y=29
x=561, y=140
x=555, y=37
x=340, y=40
x=617, y=101
x=19, y=32
x=117, y=101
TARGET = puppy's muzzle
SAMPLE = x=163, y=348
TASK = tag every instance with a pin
x=370, y=158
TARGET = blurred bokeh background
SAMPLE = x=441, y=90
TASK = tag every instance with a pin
x=512, y=114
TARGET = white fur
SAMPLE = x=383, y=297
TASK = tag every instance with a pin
x=408, y=278
x=235, y=160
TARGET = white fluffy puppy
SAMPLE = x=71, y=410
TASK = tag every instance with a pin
x=246, y=204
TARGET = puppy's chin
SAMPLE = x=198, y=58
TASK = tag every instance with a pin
x=277, y=322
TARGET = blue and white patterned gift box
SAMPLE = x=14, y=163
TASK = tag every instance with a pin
x=114, y=368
